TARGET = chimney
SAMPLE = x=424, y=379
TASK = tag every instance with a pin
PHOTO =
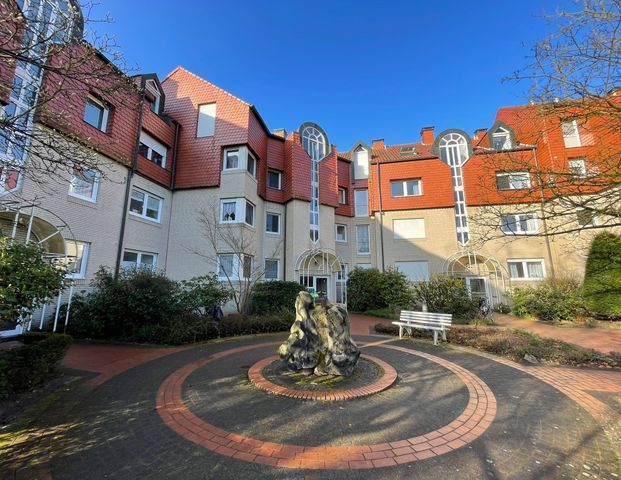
x=426, y=135
x=479, y=133
x=378, y=144
x=280, y=132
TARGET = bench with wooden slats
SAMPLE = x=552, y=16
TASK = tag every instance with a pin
x=438, y=322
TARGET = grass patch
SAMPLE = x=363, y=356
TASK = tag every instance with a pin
x=514, y=344
x=387, y=313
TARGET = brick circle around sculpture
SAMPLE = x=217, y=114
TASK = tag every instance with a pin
x=380, y=374
x=469, y=425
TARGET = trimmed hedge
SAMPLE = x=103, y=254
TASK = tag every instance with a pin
x=370, y=289
x=269, y=297
x=32, y=364
x=602, y=280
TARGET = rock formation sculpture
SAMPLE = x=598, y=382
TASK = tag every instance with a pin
x=319, y=341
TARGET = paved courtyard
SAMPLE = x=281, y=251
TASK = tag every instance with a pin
x=193, y=413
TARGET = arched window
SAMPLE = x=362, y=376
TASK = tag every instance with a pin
x=314, y=142
x=453, y=149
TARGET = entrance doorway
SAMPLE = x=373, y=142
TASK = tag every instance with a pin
x=477, y=287
x=316, y=283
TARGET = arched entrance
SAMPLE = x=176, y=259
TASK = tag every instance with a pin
x=320, y=270
x=484, y=276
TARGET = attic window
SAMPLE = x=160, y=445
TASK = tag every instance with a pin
x=153, y=95
x=501, y=139
x=407, y=151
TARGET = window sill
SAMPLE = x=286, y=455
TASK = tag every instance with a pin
x=273, y=234
x=527, y=279
x=341, y=241
x=274, y=188
x=81, y=201
x=147, y=220
x=105, y=132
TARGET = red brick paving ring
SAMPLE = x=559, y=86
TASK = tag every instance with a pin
x=386, y=380
x=468, y=426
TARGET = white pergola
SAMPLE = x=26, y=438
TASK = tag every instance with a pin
x=320, y=262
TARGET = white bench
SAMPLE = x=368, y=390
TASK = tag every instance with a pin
x=438, y=322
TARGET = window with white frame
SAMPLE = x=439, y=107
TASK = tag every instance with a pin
x=136, y=259
x=519, y=224
x=237, y=210
x=529, y=269
x=577, y=167
x=274, y=179
x=364, y=266
x=226, y=263
x=341, y=232
x=251, y=165
x=84, y=184
x=405, y=188
x=341, y=284
x=407, y=228
x=96, y=114
x=571, y=136
x=361, y=163
x=206, y=120
x=77, y=257
x=272, y=222
x=234, y=267
x=342, y=196
x=146, y=205
x=416, y=271
x=586, y=218
x=231, y=159
x=501, y=139
x=512, y=180
x=363, y=244
x=361, y=203
x=271, y=269
x=152, y=150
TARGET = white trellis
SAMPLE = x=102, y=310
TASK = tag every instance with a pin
x=321, y=262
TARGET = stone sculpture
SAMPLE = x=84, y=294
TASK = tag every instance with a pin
x=320, y=341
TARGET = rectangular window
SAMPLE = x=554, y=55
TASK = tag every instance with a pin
x=408, y=228
x=231, y=159
x=227, y=212
x=577, y=167
x=152, y=150
x=251, y=165
x=341, y=233
x=586, y=218
x=512, y=180
x=526, y=269
x=247, y=266
x=96, y=114
x=416, y=271
x=343, y=196
x=405, y=188
x=133, y=259
x=361, y=163
x=361, y=201
x=274, y=179
x=571, y=137
x=234, y=267
x=236, y=210
x=146, y=205
x=226, y=262
x=249, y=214
x=272, y=223
x=271, y=269
x=520, y=224
x=363, y=246
x=84, y=184
x=363, y=265
x=206, y=120
x=77, y=256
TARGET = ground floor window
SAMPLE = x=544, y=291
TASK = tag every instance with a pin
x=232, y=266
x=526, y=269
x=133, y=259
x=271, y=269
x=341, y=284
x=416, y=271
x=77, y=256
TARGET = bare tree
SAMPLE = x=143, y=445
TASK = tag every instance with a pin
x=45, y=60
x=574, y=78
x=232, y=251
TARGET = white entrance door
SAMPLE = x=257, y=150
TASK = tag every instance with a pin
x=322, y=286
x=477, y=287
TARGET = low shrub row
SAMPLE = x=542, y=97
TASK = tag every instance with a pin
x=30, y=365
x=514, y=344
x=269, y=297
x=552, y=300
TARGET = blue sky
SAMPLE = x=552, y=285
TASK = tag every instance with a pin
x=360, y=69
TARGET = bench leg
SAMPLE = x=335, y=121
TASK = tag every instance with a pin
x=444, y=335
x=400, y=331
x=435, y=337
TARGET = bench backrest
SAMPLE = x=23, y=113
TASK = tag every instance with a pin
x=429, y=318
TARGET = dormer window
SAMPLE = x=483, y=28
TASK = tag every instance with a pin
x=361, y=163
x=501, y=139
x=153, y=95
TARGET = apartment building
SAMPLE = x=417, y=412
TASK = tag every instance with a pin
x=190, y=180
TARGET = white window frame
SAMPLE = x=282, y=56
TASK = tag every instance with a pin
x=343, y=195
x=358, y=251
x=404, y=187
x=401, y=265
x=336, y=233
x=504, y=134
x=147, y=195
x=267, y=214
x=139, y=255
x=237, y=266
x=206, y=121
x=357, y=204
x=361, y=163
x=525, y=262
x=153, y=146
x=517, y=221
x=105, y=112
x=253, y=173
x=364, y=266
x=578, y=169
x=93, y=197
x=240, y=211
x=277, y=172
x=277, y=269
x=414, y=222
x=86, y=246
x=514, y=174
x=254, y=213
x=575, y=134
x=239, y=160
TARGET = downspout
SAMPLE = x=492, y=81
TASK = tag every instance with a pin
x=284, y=248
x=543, y=218
x=130, y=176
x=381, y=213
x=171, y=185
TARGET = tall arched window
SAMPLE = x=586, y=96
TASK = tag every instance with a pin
x=454, y=149
x=314, y=142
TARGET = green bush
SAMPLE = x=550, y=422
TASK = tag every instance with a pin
x=553, y=300
x=201, y=294
x=394, y=289
x=30, y=365
x=444, y=294
x=370, y=289
x=602, y=280
x=268, y=297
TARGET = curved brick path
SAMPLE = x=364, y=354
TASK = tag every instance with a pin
x=549, y=422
